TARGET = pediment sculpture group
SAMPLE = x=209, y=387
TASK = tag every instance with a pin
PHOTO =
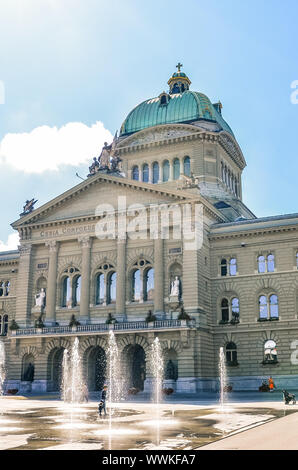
x=108, y=160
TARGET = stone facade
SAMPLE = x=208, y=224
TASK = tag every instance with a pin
x=59, y=242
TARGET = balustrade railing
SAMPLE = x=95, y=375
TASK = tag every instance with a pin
x=103, y=327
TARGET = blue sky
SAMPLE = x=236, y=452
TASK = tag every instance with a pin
x=92, y=61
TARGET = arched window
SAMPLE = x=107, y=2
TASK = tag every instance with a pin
x=223, y=267
x=135, y=173
x=163, y=100
x=273, y=305
x=1, y=288
x=235, y=309
x=77, y=281
x=136, y=286
x=231, y=354
x=225, y=310
x=149, y=284
x=100, y=289
x=261, y=264
x=270, y=263
x=165, y=171
x=176, y=165
x=66, y=292
x=186, y=164
x=263, y=308
x=146, y=173
x=233, y=266
x=111, y=288
x=155, y=172
x=270, y=352
x=268, y=307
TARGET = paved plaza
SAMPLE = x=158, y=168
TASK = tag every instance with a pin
x=179, y=422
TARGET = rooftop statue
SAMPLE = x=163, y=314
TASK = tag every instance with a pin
x=28, y=207
x=108, y=160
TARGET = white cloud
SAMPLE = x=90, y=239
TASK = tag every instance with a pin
x=12, y=242
x=46, y=148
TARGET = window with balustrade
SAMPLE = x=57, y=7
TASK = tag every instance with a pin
x=105, y=284
x=142, y=281
x=71, y=288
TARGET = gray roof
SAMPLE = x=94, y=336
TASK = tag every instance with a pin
x=9, y=255
x=261, y=222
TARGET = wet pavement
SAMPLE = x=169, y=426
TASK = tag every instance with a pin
x=178, y=423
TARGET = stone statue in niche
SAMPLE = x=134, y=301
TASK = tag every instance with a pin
x=175, y=287
x=40, y=298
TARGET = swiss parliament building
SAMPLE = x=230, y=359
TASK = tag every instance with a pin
x=79, y=273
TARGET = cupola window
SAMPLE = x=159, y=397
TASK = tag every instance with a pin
x=176, y=165
x=145, y=173
x=166, y=174
x=186, y=165
x=155, y=172
x=135, y=173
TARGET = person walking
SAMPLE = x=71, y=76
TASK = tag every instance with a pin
x=271, y=384
x=102, y=404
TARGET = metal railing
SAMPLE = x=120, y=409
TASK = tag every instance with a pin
x=104, y=327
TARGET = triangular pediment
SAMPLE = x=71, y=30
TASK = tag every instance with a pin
x=82, y=200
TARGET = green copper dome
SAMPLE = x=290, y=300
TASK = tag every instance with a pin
x=174, y=108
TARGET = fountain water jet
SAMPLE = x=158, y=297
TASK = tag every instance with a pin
x=72, y=385
x=2, y=367
x=157, y=368
x=222, y=377
x=113, y=369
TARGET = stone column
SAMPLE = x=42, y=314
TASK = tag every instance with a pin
x=85, y=242
x=121, y=277
x=24, y=286
x=158, y=276
x=52, y=283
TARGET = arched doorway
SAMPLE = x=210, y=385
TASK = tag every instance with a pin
x=134, y=364
x=96, y=361
x=55, y=369
x=27, y=368
x=170, y=365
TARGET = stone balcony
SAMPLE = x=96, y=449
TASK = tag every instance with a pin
x=104, y=328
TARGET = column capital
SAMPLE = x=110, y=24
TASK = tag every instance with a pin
x=25, y=249
x=52, y=245
x=85, y=241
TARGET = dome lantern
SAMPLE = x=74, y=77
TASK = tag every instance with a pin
x=179, y=81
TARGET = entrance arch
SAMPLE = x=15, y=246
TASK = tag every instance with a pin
x=55, y=359
x=96, y=362
x=134, y=365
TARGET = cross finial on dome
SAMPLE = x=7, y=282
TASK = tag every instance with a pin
x=179, y=66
